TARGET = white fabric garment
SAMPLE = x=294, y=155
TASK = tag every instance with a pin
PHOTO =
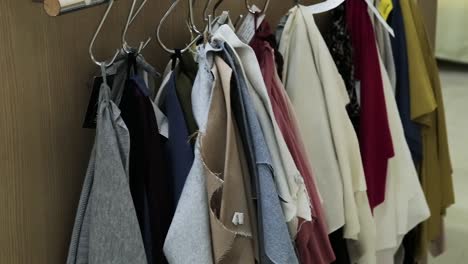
x=189, y=236
x=405, y=205
x=319, y=97
x=290, y=184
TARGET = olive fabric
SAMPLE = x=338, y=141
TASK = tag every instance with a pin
x=185, y=73
x=427, y=109
x=402, y=93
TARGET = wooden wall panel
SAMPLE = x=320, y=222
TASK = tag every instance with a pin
x=44, y=72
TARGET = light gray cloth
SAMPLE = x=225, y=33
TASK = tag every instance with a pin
x=384, y=45
x=106, y=228
x=276, y=239
x=189, y=236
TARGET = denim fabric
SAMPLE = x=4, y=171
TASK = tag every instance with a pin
x=274, y=237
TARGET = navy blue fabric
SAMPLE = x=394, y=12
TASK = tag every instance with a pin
x=149, y=185
x=403, y=97
x=178, y=149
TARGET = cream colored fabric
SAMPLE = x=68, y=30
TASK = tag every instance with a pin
x=405, y=205
x=319, y=97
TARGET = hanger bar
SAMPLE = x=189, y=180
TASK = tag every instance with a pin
x=60, y=7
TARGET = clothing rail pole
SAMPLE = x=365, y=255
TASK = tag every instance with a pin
x=60, y=7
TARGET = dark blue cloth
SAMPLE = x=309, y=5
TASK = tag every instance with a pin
x=178, y=149
x=150, y=188
x=403, y=96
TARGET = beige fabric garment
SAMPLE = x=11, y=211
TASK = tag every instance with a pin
x=229, y=193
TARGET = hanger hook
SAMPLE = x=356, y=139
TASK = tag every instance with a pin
x=161, y=22
x=263, y=11
x=131, y=17
x=93, y=40
x=191, y=18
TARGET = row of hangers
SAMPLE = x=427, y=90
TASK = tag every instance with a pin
x=207, y=18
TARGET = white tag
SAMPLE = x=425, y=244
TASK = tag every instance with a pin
x=380, y=18
x=358, y=91
x=324, y=6
x=238, y=219
x=246, y=30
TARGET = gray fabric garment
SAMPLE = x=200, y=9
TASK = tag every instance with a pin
x=189, y=237
x=384, y=45
x=106, y=228
x=280, y=28
x=276, y=240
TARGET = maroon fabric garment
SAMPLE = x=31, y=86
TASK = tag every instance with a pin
x=374, y=132
x=312, y=240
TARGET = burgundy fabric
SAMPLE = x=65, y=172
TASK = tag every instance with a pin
x=374, y=132
x=312, y=240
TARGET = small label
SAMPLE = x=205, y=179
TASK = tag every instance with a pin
x=246, y=30
x=385, y=8
x=238, y=219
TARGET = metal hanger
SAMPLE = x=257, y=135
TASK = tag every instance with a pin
x=93, y=40
x=131, y=17
x=191, y=19
x=163, y=19
x=264, y=9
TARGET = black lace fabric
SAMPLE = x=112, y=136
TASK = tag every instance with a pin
x=339, y=43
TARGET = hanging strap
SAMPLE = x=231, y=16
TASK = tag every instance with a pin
x=177, y=55
x=104, y=74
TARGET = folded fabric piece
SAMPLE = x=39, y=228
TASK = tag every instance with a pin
x=190, y=227
x=402, y=93
x=275, y=242
x=374, y=132
x=106, y=196
x=405, y=205
x=289, y=182
x=331, y=142
x=227, y=176
x=427, y=109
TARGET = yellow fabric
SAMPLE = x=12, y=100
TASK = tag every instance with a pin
x=427, y=109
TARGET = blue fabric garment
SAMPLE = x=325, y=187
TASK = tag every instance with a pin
x=276, y=245
x=178, y=149
x=403, y=99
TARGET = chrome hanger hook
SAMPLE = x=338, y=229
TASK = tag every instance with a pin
x=93, y=40
x=131, y=17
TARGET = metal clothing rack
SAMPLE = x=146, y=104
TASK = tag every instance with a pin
x=60, y=7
